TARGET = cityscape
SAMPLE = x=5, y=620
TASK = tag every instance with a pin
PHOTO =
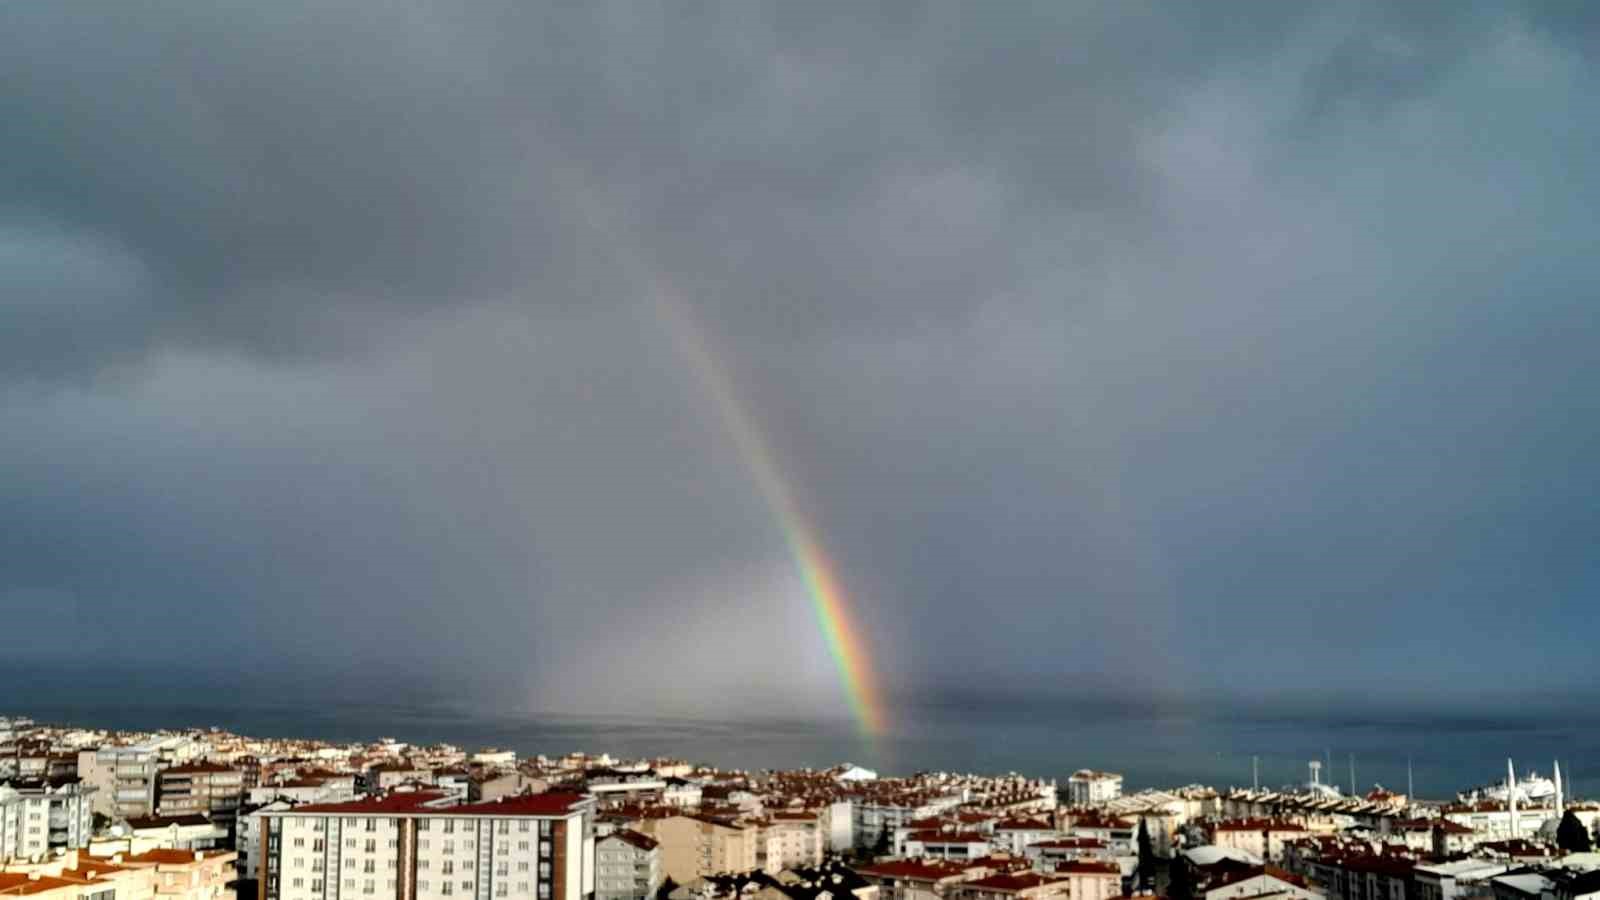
x=799, y=450
x=204, y=814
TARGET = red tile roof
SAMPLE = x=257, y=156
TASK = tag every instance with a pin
x=388, y=804
x=21, y=883
x=166, y=857
x=1011, y=881
x=643, y=842
x=912, y=870
x=554, y=803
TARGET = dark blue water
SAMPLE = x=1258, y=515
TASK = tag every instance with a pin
x=1152, y=749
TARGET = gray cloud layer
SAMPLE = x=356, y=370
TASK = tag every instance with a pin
x=1108, y=344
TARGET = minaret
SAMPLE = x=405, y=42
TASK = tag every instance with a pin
x=1511, y=795
x=1411, y=788
x=1558, y=790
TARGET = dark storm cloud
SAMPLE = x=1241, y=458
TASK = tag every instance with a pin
x=1111, y=346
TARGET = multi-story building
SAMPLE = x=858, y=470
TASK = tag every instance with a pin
x=41, y=817
x=1456, y=879
x=875, y=820
x=914, y=879
x=1263, y=838
x=1015, y=886
x=125, y=776
x=1091, y=879
x=186, y=874
x=627, y=866
x=212, y=789
x=694, y=846
x=791, y=840
x=419, y=846
x=1087, y=787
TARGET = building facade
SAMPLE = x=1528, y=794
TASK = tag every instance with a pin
x=417, y=846
x=1087, y=787
x=627, y=866
x=38, y=818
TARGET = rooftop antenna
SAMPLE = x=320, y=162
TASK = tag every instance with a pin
x=1352, y=775
x=1255, y=773
x=1411, y=788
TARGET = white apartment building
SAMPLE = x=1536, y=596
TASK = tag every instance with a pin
x=1087, y=787
x=421, y=846
x=791, y=840
x=39, y=818
x=627, y=866
x=874, y=818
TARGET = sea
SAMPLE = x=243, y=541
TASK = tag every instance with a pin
x=1439, y=754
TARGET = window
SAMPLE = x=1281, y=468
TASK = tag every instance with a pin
x=449, y=826
x=449, y=867
x=522, y=845
x=317, y=845
x=372, y=824
x=422, y=864
x=350, y=822
x=298, y=882
x=523, y=826
x=369, y=866
x=423, y=844
x=350, y=842
x=369, y=887
x=544, y=826
x=422, y=824
x=500, y=889
x=299, y=842
x=446, y=887
x=522, y=887
x=349, y=884
x=372, y=846
x=316, y=885
x=522, y=866
x=504, y=848
x=349, y=862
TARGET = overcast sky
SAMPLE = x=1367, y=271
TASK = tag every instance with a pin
x=1231, y=350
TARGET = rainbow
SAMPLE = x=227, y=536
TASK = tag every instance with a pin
x=845, y=640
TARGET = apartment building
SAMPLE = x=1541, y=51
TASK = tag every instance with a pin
x=207, y=788
x=1262, y=838
x=125, y=778
x=627, y=866
x=185, y=874
x=421, y=846
x=1087, y=787
x=696, y=846
x=791, y=840
x=42, y=817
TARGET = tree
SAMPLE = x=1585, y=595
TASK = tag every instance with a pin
x=883, y=845
x=1147, y=855
x=1571, y=835
x=1179, y=884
